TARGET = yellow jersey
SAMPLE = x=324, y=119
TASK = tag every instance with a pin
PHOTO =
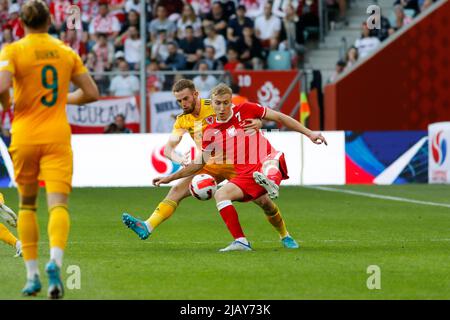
x=195, y=125
x=42, y=68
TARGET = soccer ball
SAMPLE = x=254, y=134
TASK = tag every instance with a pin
x=203, y=187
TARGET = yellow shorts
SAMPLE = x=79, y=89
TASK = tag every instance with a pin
x=51, y=163
x=220, y=172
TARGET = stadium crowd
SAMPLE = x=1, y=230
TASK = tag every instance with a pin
x=403, y=13
x=181, y=35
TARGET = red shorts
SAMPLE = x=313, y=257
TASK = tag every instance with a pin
x=247, y=183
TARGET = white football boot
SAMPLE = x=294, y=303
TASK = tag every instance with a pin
x=8, y=215
x=237, y=246
x=271, y=187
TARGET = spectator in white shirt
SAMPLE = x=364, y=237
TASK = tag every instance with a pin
x=124, y=85
x=105, y=23
x=132, y=5
x=159, y=50
x=132, y=47
x=280, y=6
x=204, y=81
x=189, y=18
x=366, y=44
x=217, y=41
x=267, y=26
x=253, y=8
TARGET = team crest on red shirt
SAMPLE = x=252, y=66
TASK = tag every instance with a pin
x=210, y=120
x=231, y=131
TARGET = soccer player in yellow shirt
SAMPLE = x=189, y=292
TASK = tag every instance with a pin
x=41, y=68
x=11, y=218
x=197, y=114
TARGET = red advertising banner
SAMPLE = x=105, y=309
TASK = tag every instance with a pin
x=268, y=89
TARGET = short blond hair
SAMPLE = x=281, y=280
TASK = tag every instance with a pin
x=221, y=89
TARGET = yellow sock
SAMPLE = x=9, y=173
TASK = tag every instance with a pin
x=28, y=229
x=58, y=226
x=277, y=221
x=7, y=236
x=162, y=212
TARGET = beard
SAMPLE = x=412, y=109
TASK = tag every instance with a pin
x=191, y=108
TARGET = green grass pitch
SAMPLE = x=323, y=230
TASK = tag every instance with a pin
x=340, y=236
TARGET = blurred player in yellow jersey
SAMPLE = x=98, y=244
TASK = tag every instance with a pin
x=197, y=114
x=41, y=68
x=11, y=218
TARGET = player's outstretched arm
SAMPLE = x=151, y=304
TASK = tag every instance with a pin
x=169, y=151
x=294, y=125
x=187, y=171
x=87, y=92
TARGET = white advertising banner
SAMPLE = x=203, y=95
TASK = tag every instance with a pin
x=438, y=152
x=324, y=164
x=95, y=116
x=164, y=110
x=134, y=160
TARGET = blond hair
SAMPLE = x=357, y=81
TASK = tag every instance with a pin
x=221, y=89
x=35, y=14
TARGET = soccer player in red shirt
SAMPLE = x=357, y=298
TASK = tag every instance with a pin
x=259, y=167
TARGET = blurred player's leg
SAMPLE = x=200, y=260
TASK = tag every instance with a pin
x=10, y=217
x=58, y=233
x=28, y=230
x=163, y=211
x=56, y=168
x=273, y=215
x=6, y=236
x=224, y=197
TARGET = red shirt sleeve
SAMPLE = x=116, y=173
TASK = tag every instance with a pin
x=253, y=110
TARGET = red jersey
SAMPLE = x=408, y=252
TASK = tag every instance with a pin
x=228, y=143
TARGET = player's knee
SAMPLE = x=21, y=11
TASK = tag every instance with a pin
x=57, y=198
x=177, y=193
x=220, y=195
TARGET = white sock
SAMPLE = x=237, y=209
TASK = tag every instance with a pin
x=57, y=255
x=149, y=226
x=18, y=244
x=243, y=240
x=32, y=268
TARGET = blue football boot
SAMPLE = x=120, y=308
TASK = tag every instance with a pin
x=289, y=242
x=55, y=284
x=32, y=287
x=138, y=226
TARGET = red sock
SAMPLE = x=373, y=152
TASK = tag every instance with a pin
x=275, y=175
x=231, y=219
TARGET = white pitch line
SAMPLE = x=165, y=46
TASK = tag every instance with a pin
x=380, y=196
x=156, y=242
